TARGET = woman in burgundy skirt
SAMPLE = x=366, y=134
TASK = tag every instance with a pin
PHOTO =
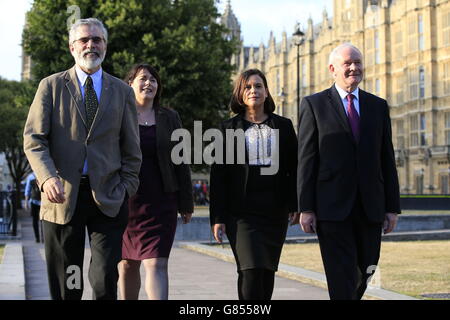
x=164, y=190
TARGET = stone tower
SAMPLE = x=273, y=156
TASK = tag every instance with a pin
x=230, y=21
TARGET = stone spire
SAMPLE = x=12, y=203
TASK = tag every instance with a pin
x=272, y=43
x=284, y=42
x=251, y=55
x=230, y=21
x=261, y=53
x=310, y=31
x=325, y=22
x=26, y=62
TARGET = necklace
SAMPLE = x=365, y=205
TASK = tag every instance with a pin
x=142, y=121
x=145, y=122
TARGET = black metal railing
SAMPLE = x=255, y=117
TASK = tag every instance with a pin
x=7, y=213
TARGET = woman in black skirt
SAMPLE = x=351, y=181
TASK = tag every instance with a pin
x=253, y=198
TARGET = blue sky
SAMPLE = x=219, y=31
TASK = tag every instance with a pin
x=257, y=18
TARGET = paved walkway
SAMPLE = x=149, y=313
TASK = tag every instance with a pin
x=192, y=275
x=196, y=272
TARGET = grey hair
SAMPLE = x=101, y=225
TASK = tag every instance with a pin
x=336, y=51
x=89, y=22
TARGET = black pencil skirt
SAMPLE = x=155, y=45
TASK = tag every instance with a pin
x=257, y=240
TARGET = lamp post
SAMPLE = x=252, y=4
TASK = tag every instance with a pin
x=298, y=37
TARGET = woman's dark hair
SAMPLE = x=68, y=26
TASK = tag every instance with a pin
x=237, y=104
x=135, y=70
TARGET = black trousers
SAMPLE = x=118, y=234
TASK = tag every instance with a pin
x=350, y=249
x=65, y=245
x=255, y=284
x=35, y=215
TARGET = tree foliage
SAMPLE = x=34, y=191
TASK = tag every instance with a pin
x=182, y=38
x=15, y=99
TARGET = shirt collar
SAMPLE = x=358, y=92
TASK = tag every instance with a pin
x=82, y=76
x=343, y=94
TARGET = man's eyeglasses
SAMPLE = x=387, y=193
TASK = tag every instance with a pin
x=85, y=40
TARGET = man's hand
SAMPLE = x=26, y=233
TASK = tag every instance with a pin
x=390, y=221
x=308, y=222
x=26, y=204
x=294, y=218
x=54, y=190
x=218, y=231
x=186, y=217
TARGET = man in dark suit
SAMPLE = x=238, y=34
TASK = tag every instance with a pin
x=82, y=141
x=347, y=181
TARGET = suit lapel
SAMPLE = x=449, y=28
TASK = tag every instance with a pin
x=364, y=114
x=162, y=126
x=75, y=92
x=338, y=107
x=336, y=102
x=105, y=98
x=239, y=124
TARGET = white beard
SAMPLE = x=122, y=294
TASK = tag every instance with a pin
x=88, y=63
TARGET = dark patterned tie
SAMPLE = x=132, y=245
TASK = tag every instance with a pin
x=90, y=101
x=353, y=116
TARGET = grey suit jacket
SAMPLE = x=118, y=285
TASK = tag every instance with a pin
x=57, y=142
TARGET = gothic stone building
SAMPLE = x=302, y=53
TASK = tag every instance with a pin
x=406, y=48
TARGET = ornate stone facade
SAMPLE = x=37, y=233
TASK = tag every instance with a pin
x=406, y=48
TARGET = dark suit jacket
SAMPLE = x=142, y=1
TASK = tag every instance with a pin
x=228, y=181
x=175, y=177
x=332, y=167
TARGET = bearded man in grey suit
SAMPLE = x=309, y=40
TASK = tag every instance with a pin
x=82, y=141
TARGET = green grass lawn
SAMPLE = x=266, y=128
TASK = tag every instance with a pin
x=408, y=212
x=413, y=268
x=204, y=212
